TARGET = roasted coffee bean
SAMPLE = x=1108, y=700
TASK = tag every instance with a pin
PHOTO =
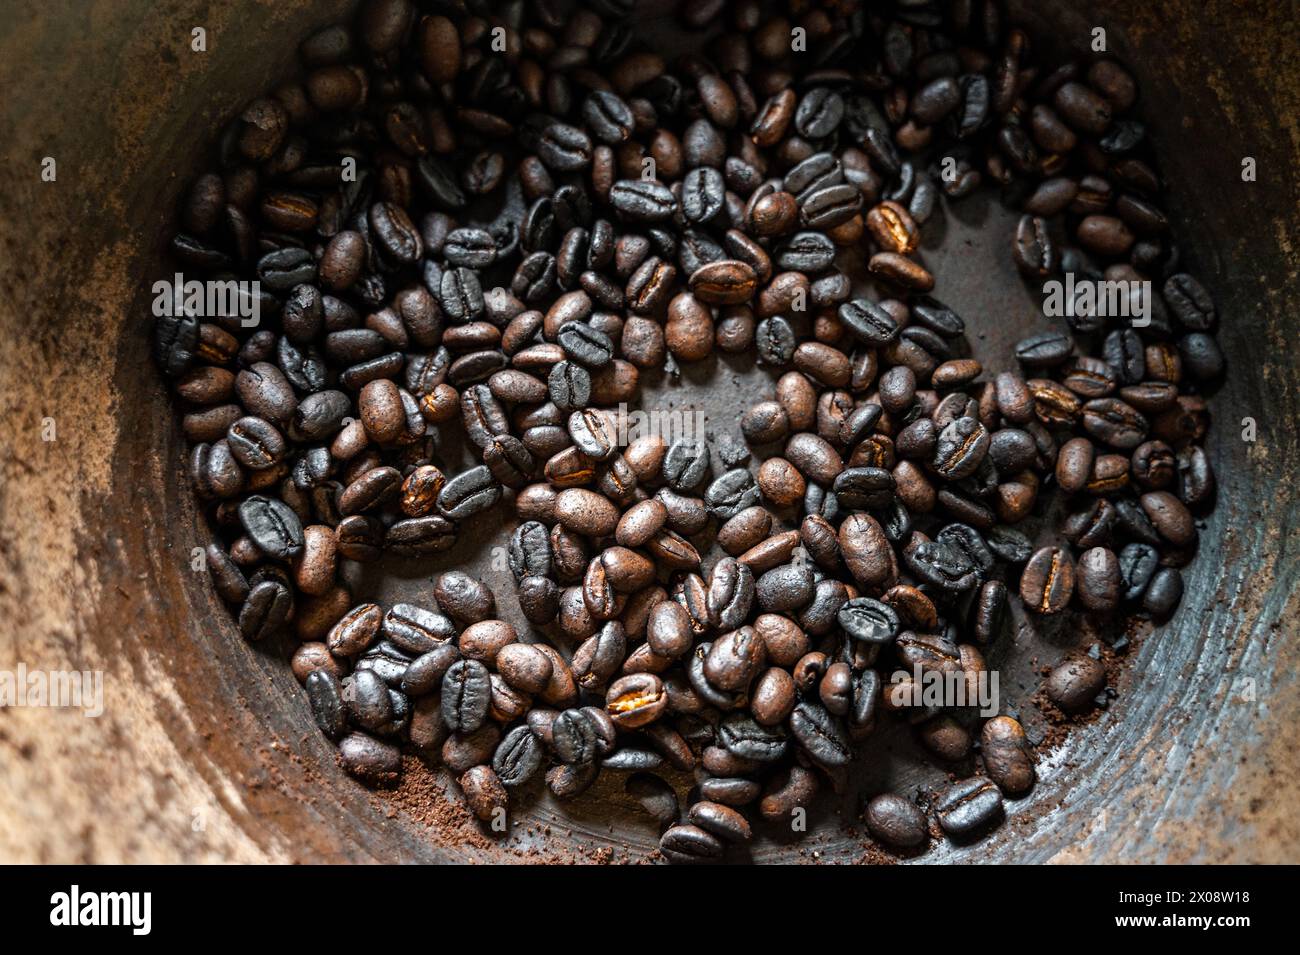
x=668, y=630
x=820, y=734
x=1170, y=517
x=1115, y=423
x=735, y=659
x=636, y=700
x=785, y=588
x=944, y=565
x=1190, y=302
x=425, y=672
x=685, y=844
x=896, y=822
x=600, y=656
x=867, y=552
x=464, y=598
x=273, y=526
x=368, y=702
x=746, y=738
x=1005, y=750
x=468, y=493
x=574, y=737
x=325, y=695
x=1164, y=593
x=1047, y=582
x=868, y=620
x=569, y=386
x=466, y=695
x=643, y=201
x=420, y=536
x=732, y=493
x=586, y=345
x=969, y=805
x=650, y=213
x=369, y=759
x=725, y=282
x=961, y=448
x=989, y=611
x=730, y=594
x=518, y=757
x=1074, y=684
x=265, y=610
x=720, y=820
x=1097, y=579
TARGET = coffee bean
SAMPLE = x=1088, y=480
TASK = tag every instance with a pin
x=1006, y=755
x=895, y=821
x=868, y=620
x=645, y=220
x=1164, y=593
x=1169, y=516
x=273, y=526
x=1075, y=683
x=466, y=695
x=735, y=659
x=636, y=700
x=1047, y=582
x=746, y=738
x=369, y=759
x=518, y=757
x=642, y=201
x=969, y=805
x=688, y=844
x=820, y=734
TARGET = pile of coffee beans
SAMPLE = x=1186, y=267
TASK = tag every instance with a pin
x=487, y=219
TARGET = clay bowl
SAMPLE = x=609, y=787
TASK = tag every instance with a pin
x=206, y=750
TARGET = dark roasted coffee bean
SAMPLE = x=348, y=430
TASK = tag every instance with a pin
x=1075, y=683
x=468, y=493
x=820, y=734
x=967, y=806
x=266, y=610
x=586, y=345
x=735, y=659
x=944, y=565
x=868, y=620
x=518, y=757
x=420, y=536
x=685, y=844
x=896, y=822
x=643, y=201
x=569, y=386
x=370, y=759
x=808, y=252
x=273, y=526
x=1190, y=302
x=745, y=737
x=686, y=463
x=1045, y=350
x=574, y=737
x=785, y=588
x=325, y=695
x=1163, y=593
x=466, y=696
x=720, y=820
x=731, y=493
x=424, y=674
